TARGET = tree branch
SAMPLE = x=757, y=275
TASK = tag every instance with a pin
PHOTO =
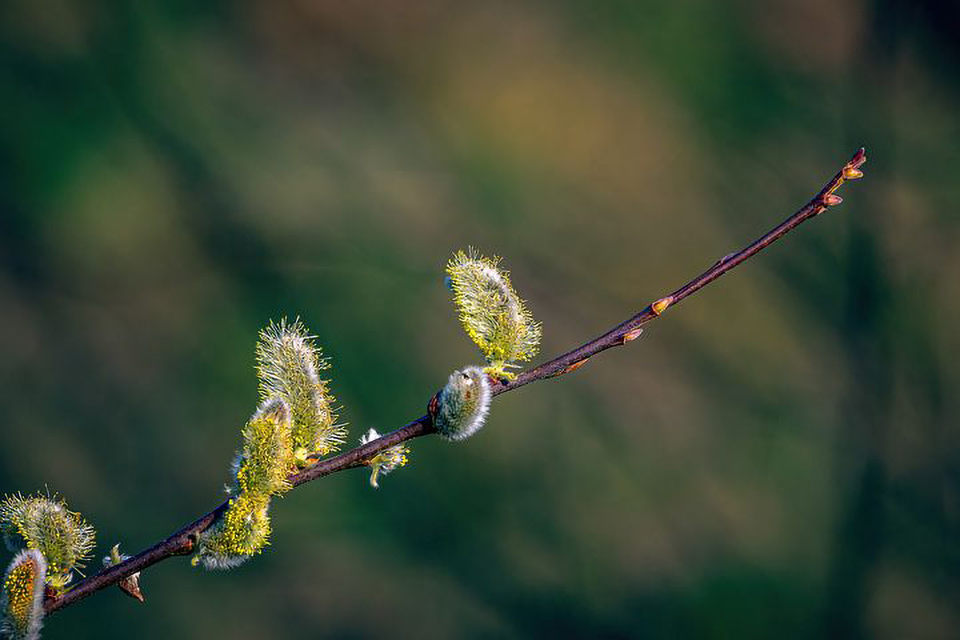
x=183, y=541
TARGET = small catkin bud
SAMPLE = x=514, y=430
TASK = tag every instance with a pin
x=492, y=313
x=267, y=457
x=22, y=599
x=462, y=405
x=386, y=461
x=63, y=537
x=287, y=364
x=129, y=585
x=240, y=533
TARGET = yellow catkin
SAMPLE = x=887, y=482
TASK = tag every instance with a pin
x=63, y=537
x=288, y=362
x=242, y=532
x=267, y=458
x=492, y=313
x=22, y=599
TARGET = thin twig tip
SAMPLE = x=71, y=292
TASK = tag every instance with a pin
x=858, y=158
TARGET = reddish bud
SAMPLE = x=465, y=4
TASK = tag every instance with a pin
x=576, y=365
x=661, y=304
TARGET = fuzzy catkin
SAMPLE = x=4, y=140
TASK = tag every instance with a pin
x=492, y=313
x=63, y=537
x=260, y=471
x=462, y=405
x=288, y=362
x=267, y=457
x=240, y=533
x=22, y=601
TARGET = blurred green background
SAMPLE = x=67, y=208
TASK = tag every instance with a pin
x=778, y=457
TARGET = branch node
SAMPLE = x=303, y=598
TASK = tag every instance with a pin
x=632, y=335
x=725, y=258
x=186, y=547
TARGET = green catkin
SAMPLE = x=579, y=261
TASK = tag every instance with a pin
x=63, y=537
x=288, y=362
x=295, y=422
x=267, y=457
x=22, y=599
x=260, y=471
x=462, y=405
x=491, y=312
x=388, y=460
x=240, y=533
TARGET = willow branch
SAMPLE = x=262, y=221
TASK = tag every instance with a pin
x=183, y=541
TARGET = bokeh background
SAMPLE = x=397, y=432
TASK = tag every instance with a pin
x=778, y=457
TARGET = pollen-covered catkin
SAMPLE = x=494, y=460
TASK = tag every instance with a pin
x=240, y=533
x=267, y=457
x=260, y=471
x=288, y=362
x=63, y=537
x=462, y=405
x=492, y=313
x=22, y=598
